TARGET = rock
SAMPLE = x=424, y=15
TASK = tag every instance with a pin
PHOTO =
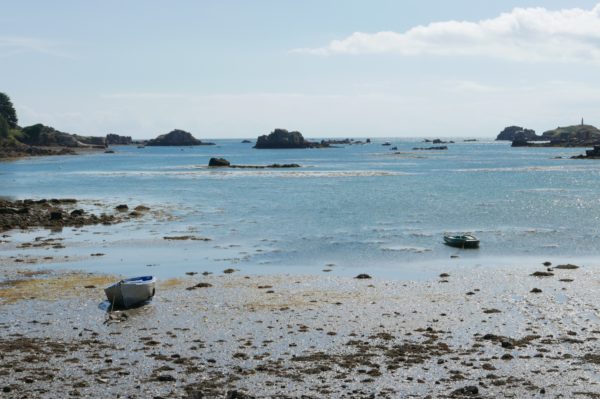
x=507, y=356
x=567, y=267
x=547, y=263
x=228, y=271
x=141, y=208
x=542, y=274
x=363, y=276
x=77, y=212
x=115, y=139
x=122, y=208
x=237, y=395
x=438, y=148
x=281, y=138
x=176, y=138
x=535, y=291
x=507, y=344
x=470, y=390
x=199, y=285
x=55, y=214
x=513, y=133
x=218, y=162
x=444, y=275
x=165, y=378
x=246, y=142
x=284, y=165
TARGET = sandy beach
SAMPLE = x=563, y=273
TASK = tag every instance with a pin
x=505, y=333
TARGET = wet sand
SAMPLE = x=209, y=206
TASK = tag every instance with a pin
x=504, y=333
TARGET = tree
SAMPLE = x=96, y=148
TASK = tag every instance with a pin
x=3, y=128
x=7, y=110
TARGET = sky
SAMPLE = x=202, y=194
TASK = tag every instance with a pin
x=328, y=68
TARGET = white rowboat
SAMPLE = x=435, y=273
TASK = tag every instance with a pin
x=132, y=291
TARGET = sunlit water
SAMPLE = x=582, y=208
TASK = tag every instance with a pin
x=358, y=208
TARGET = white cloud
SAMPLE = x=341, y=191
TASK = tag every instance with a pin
x=12, y=45
x=524, y=34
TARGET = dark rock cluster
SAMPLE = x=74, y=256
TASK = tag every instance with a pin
x=115, y=139
x=176, y=137
x=512, y=133
x=281, y=138
x=51, y=213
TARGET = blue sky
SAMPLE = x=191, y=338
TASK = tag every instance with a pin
x=327, y=68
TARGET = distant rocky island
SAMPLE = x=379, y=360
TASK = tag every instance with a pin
x=281, y=138
x=569, y=136
x=512, y=133
x=176, y=137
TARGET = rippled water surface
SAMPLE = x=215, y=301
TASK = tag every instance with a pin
x=355, y=207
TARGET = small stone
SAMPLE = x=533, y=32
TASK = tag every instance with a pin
x=535, y=291
x=542, y=274
x=444, y=275
x=567, y=267
x=547, y=263
x=122, y=208
x=466, y=391
x=363, y=276
x=507, y=356
x=228, y=271
x=165, y=378
x=507, y=344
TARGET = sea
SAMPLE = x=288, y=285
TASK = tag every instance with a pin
x=362, y=208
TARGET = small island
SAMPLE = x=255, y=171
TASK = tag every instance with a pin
x=177, y=138
x=581, y=135
x=512, y=133
x=281, y=138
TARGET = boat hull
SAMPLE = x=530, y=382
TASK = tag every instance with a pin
x=131, y=292
x=461, y=241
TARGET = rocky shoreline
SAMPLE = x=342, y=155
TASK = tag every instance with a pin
x=57, y=213
x=510, y=333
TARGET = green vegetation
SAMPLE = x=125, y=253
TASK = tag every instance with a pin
x=7, y=111
x=4, y=129
x=575, y=132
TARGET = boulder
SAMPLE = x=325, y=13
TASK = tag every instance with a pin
x=218, y=162
x=281, y=138
x=176, y=138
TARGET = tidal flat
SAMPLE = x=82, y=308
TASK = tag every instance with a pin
x=515, y=332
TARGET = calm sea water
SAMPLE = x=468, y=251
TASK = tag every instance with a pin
x=359, y=208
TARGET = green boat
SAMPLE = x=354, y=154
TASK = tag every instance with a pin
x=461, y=241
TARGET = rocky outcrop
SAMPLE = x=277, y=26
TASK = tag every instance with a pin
x=519, y=133
x=58, y=213
x=569, y=136
x=47, y=136
x=281, y=138
x=573, y=136
x=176, y=138
x=115, y=139
x=223, y=163
x=435, y=148
x=590, y=154
x=218, y=162
x=17, y=150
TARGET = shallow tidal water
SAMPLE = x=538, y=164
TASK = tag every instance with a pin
x=359, y=208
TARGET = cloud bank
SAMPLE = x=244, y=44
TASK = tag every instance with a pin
x=524, y=34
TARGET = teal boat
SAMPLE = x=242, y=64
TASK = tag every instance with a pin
x=461, y=241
